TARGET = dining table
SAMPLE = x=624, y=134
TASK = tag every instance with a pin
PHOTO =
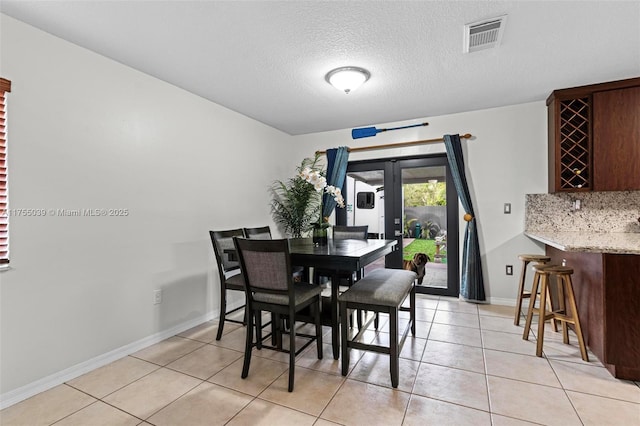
x=339, y=257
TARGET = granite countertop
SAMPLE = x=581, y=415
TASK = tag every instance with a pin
x=591, y=242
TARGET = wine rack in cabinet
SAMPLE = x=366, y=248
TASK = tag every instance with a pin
x=575, y=144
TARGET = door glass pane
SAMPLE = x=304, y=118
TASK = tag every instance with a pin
x=424, y=215
x=364, y=202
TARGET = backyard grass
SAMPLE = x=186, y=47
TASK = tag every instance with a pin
x=420, y=246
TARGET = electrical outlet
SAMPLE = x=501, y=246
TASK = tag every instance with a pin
x=157, y=297
x=507, y=208
x=509, y=269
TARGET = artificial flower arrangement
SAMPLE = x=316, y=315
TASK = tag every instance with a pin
x=297, y=204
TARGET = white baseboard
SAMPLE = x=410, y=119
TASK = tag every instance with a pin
x=492, y=301
x=501, y=301
x=14, y=396
x=489, y=301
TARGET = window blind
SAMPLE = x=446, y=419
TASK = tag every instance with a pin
x=5, y=87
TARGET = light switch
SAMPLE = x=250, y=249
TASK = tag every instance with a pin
x=507, y=208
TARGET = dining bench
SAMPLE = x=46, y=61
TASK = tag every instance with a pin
x=381, y=291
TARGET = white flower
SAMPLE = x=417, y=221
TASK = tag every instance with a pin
x=314, y=177
x=319, y=183
x=306, y=173
x=336, y=193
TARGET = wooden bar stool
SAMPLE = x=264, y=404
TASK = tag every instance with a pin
x=563, y=279
x=537, y=259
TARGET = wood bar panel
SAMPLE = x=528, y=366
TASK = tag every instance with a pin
x=622, y=276
x=587, y=279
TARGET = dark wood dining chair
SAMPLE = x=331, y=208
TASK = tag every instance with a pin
x=341, y=232
x=345, y=233
x=231, y=277
x=270, y=287
x=350, y=232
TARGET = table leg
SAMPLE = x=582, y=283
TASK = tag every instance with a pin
x=335, y=322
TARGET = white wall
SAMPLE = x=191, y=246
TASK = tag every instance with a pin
x=87, y=132
x=506, y=159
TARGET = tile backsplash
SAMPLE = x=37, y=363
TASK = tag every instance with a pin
x=611, y=211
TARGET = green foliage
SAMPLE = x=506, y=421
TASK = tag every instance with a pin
x=408, y=224
x=295, y=206
x=425, y=194
x=422, y=246
x=419, y=246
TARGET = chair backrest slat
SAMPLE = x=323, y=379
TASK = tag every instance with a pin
x=261, y=233
x=223, y=240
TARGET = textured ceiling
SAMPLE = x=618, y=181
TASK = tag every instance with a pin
x=268, y=59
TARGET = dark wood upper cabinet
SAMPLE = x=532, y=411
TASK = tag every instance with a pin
x=616, y=129
x=594, y=137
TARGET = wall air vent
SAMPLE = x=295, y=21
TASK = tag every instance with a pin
x=485, y=34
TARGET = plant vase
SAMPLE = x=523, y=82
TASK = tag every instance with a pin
x=320, y=235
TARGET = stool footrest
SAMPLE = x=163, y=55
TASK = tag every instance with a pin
x=562, y=316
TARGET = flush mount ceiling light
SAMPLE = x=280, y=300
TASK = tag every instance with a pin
x=347, y=79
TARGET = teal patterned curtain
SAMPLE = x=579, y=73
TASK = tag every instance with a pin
x=472, y=283
x=337, y=159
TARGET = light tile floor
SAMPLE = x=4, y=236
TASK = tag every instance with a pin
x=467, y=365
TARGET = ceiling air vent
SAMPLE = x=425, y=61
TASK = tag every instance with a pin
x=484, y=34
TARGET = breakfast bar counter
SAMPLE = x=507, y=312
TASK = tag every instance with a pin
x=590, y=242
x=606, y=282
